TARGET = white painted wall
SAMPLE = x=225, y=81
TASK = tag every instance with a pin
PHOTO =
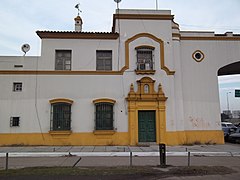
x=83, y=52
x=28, y=62
x=193, y=99
x=200, y=83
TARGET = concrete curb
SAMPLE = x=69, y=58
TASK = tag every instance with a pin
x=117, y=154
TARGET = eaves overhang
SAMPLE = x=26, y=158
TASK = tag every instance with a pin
x=77, y=35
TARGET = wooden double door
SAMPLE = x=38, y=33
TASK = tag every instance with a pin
x=146, y=126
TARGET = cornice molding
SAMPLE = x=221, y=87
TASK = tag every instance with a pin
x=214, y=38
x=76, y=35
x=144, y=16
x=141, y=17
x=59, y=72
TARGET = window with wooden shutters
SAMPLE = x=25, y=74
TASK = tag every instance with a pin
x=104, y=60
x=63, y=60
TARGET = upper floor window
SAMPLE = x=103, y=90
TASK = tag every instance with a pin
x=104, y=60
x=17, y=86
x=145, y=58
x=63, y=59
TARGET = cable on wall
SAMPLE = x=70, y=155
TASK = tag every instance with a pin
x=36, y=98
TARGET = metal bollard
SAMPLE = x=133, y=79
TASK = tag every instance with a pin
x=6, y=168
x=188, y=159
x=162, y=153
x=130, y=159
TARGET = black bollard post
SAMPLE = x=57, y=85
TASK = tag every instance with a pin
x=188, y=159
x=6, y=168
x=131, y=159
x=162, y=153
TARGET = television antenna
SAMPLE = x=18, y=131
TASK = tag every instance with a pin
x=117, y=1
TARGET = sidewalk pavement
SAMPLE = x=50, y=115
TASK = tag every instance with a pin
x=228, y=147
x=152, y=150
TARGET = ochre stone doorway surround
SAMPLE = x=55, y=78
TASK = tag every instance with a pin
x=146, y=98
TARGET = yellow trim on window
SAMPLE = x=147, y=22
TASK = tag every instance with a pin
x=145, y=72
x=145, y=47
x=200, y=52
x=61, y=100
x=104, y=132
x=106, y=100
x=60, y=132
x=161, y=45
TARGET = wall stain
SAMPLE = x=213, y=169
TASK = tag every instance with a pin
x=199, y=123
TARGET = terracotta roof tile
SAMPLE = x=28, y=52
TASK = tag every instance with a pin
x=76, y=35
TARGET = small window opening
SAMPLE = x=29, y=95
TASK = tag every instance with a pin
x=146, y=88
x=17, y=86
x=14, y=121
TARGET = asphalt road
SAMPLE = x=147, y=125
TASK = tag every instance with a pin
x=201, y=159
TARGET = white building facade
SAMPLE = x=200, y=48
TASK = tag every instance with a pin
x=144, y=82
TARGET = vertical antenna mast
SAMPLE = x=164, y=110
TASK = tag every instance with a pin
x=117, y=1
x=156, y=4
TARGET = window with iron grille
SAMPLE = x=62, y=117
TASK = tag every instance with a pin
x=60, y=116
x=145, y=58
x=104, y=116
x=63, y=59
x=104, y=60
x=17, y=86
x=14, y=121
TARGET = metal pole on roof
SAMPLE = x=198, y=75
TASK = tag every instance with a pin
x=228, y=102
x=156, y=4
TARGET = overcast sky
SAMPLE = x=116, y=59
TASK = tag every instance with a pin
x=228, y=84
x=20, y=19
